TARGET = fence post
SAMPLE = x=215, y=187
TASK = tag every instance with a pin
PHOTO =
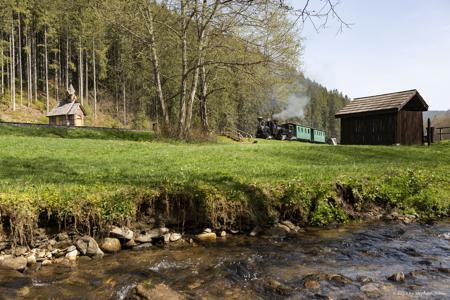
x=429, y=132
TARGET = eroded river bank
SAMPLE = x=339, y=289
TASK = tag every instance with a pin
x=351, y=262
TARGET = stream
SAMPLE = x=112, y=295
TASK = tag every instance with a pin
x=349, y=262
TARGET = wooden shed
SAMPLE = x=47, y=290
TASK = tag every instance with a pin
x=67, y=114
x=387, y=119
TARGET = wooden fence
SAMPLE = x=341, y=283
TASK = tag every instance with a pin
x=443, y=133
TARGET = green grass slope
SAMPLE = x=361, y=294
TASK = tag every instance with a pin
x=90, y=182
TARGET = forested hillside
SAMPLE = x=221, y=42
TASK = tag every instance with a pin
x=189, y=66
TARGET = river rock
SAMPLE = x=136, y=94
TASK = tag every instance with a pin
x=62, y=236
x=278, y=231
x=151, y=234
x=290, y=225
x=207, y=230
x=175, y=237
x=340, y=280
x=223, y=233
x=206, y=236
x=46, y=262
x=445, y=235
x=160, y=291
x=63, y=244
x=72, y=255
x=122, y=233
x=3, y=245
x=397, y=277
x=31, y=259
x=88, y=246
x=111, y=245
x=14, y=263
x=312, y=284
x=371, y=290
x=255, y=231
x=166, y=238
x=129, y=244
x=143, y=246
x=18, y=251
x=363, y=279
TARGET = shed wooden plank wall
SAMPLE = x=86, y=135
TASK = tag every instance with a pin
x=376, y=129
x=409, y=127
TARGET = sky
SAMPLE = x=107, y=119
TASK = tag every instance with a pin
x=392, y=45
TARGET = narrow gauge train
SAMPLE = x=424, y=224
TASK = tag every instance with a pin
x=289, y=131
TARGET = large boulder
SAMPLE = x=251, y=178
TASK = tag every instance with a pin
x=14, y=263
x=111, y=245
x=122, y=233
x=88, y=246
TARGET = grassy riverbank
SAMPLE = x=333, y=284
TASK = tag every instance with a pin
x=90, y=182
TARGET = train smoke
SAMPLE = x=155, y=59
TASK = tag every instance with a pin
x=294, y=108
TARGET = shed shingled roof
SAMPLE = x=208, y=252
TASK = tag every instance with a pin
x=385, y=102
x=66, y=109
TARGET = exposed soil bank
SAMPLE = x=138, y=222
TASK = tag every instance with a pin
x=241, y=208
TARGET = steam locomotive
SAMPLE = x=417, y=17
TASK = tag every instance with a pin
x=269, y=129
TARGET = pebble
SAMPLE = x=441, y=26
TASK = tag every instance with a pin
x=223, y=233
x=207, y=230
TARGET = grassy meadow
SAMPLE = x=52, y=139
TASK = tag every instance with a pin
x=94, y=179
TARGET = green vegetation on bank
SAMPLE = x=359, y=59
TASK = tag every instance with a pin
x=89, y=183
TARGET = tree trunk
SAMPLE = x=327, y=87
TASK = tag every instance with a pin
x=20, y=62
x=2, y=69
x=202, y=100
x=191, y=101
x=13, y=69
x=183, y=82
x=95, y=81
x=67, y=61
x=28, y=53
x=60, y=66
x=56, y=81
x=124, y=105
x=87, y=77
x=35, y=70
x=156, y=69
x=80, y=71
x=47, y=103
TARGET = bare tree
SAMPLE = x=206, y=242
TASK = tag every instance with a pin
x=13, y=67
x=95, y=81
x=47, y=94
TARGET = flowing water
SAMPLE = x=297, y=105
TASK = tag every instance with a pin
x=350, y=262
